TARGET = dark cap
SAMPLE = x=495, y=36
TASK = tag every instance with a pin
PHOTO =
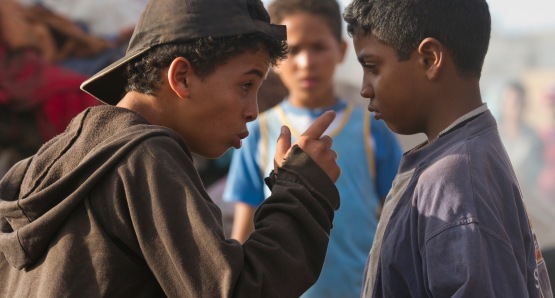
x=169, y=21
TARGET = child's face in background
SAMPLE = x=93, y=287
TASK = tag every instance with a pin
x=308, y=72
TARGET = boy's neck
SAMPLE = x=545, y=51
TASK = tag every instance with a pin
x=145, y=105
x=450, y=106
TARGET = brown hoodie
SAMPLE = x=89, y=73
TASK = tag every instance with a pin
x=114, y=207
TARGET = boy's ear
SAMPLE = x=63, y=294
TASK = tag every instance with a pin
x=179, y=74
x=432, y=56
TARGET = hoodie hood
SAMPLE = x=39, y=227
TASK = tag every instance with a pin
x=39, y=193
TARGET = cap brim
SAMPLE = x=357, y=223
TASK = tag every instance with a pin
x=108, y=85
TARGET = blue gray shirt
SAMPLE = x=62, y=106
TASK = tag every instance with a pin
x=454, y=224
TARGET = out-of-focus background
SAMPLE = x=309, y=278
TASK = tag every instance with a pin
x=522, y=48
x=48, y=47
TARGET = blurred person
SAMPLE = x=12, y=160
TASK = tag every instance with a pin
x=547, y=179
x=109, y=19
x=38, y=99
x=547, y=185
x=74, y=42
x=454, y=223
x=368, y=153
x=523, y=144
x=114, y=207
x=525, y=149
x=54, y=36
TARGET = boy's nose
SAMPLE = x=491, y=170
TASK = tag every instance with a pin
x=303, y=59
x=251, y=112
x=367, y=91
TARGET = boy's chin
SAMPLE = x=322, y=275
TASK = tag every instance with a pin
x=215, y=154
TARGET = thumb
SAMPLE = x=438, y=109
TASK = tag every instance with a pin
x=283, y=146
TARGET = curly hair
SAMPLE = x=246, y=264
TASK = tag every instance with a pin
x=462, y=26
x=204, y=54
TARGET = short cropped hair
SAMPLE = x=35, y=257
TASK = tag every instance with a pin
x=205, y=55
x=328, y=9
x=462, y=26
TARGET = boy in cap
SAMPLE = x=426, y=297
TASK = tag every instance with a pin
x=368, y=152
x=454, y=224
x=114, y=207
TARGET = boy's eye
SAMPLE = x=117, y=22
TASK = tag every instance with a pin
x=246, y=86
x=293, y=50
x=370, y=67
x=320, y=47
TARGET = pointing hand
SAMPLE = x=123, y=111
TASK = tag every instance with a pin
x=312, y=142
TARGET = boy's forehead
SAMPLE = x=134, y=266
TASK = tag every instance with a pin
x=369, y=47
x=362, y=37
x=251, y=62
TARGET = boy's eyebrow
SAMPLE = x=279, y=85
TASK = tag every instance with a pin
x=256, y=72
x=364, y=56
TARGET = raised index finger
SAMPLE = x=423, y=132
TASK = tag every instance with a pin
x=317, y=128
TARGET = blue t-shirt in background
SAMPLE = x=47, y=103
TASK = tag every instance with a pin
x=368, y=154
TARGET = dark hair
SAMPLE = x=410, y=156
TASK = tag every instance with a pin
x=328, y=9
x=462, y=26
x=205, y=54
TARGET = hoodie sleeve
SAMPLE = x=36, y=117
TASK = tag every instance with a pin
x=179, y=229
